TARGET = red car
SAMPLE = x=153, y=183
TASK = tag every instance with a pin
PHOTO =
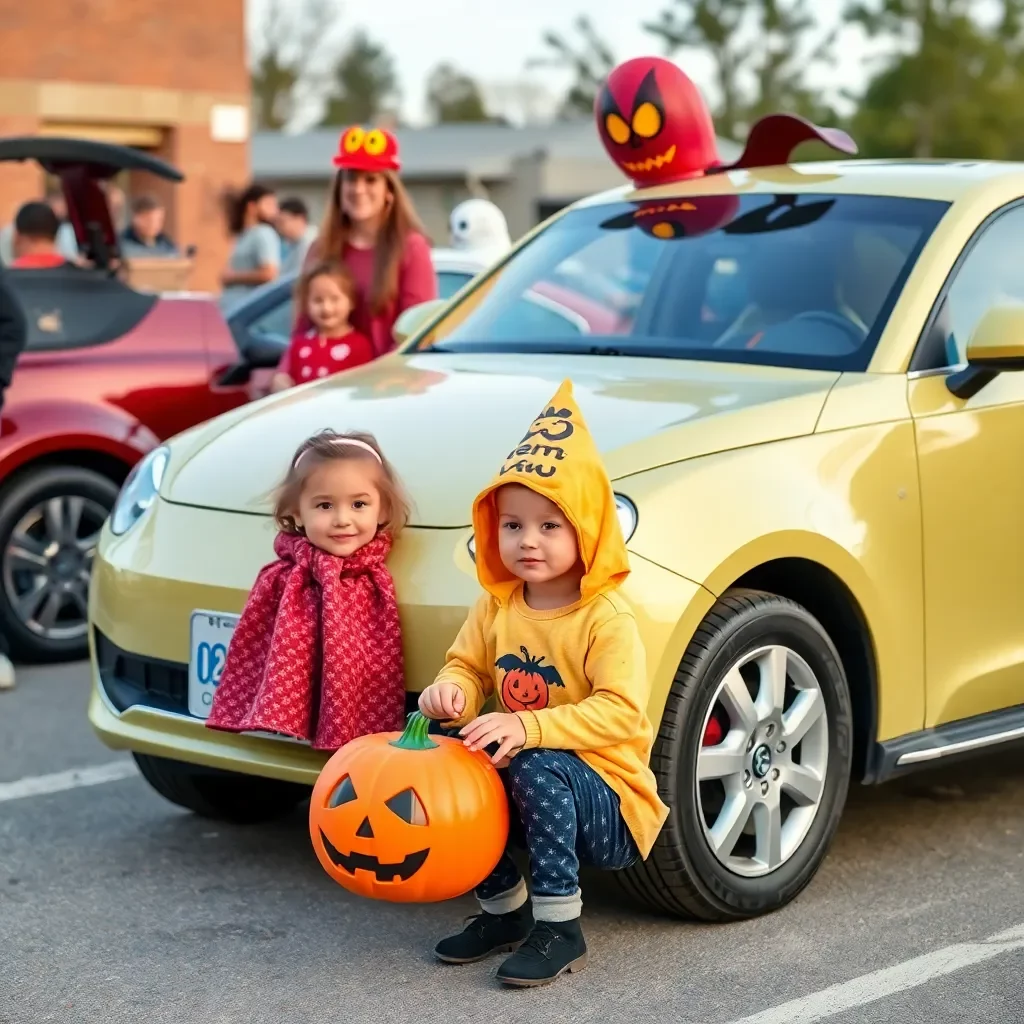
x=107, y=374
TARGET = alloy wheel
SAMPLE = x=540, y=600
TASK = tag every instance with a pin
x=47, y=563
x=762, y=764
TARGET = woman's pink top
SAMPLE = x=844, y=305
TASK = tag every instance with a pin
x=417, y=282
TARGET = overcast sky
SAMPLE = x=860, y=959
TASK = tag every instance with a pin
x=495, y=47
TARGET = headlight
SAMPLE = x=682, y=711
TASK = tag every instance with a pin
x=139, y=491
x=624, y=509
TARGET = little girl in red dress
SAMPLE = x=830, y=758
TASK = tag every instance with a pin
x=327, y=293
x=317, y=652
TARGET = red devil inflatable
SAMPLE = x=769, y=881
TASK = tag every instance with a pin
x=655, y=125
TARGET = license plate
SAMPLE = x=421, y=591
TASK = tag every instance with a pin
x=210, y=635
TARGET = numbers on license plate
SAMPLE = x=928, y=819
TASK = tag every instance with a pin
x=211, y=634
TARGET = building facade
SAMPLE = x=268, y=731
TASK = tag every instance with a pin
x=168, y=78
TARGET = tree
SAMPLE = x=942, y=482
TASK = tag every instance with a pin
x=454, y=96
x=364, y=83
x=291, y=41
x=714, y=26
x=762, y=50
x=590, y=63
x=957, y=92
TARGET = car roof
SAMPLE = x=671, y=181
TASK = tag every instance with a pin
x=945, y=180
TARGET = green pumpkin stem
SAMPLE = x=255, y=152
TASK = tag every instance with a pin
x=415, y=736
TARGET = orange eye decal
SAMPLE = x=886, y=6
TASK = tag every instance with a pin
x=375, y=143
x=353, y=140
x=647, y=120
x=618, y=130
x=663, y=230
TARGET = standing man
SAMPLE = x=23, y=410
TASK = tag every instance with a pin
x=13, y=332
x=297, y=234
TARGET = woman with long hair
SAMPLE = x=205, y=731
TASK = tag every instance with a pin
x=256, y=255
x=372, y=227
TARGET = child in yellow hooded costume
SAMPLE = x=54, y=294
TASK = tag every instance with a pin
x=560, y=649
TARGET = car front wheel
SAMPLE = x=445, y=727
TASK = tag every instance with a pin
x=753, y=758
x=50, y=523
x=223, y=796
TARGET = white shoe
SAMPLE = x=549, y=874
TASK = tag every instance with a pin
x=6, y=673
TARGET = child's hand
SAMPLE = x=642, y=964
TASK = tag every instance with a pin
x=504, y=729
x=443, y=701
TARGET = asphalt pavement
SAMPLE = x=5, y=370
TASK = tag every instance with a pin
x=116, y=907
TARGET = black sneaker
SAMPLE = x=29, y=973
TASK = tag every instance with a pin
x=553, y=947
x=485, y=934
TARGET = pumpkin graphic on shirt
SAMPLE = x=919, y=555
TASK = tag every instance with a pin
x=527, y=682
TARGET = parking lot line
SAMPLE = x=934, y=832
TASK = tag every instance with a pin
x=869, y=988
x=39, y=785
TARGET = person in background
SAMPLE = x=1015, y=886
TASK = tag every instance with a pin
x=327, y=293
x=256, y=257
x=118, y=203
x=35, y=238
x=371, y=226
x=13, y=333
x=145, y=235
x=67, y=244
x=297, y=234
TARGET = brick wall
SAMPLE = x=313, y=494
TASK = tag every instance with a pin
x=174, y=44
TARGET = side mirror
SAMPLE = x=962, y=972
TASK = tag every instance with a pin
x=995, y=346
x=414, y=318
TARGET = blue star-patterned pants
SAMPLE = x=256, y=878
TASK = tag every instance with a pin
x=568, y=814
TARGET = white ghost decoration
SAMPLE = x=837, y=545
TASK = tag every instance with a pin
x=480, y=226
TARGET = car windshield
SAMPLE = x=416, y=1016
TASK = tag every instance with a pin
x=804, y=281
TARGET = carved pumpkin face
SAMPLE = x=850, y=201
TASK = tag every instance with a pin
x=408, y=818
x=654, y=123
x=525, y=686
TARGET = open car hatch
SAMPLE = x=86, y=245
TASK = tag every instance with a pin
x=81, y=164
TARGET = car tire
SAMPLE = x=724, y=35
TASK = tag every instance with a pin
x=684, y=875
x=220, y=795
x=22, y=506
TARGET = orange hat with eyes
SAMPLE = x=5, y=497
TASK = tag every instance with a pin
x=362, y=150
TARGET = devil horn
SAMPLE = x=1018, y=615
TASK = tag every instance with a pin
x=773, y=139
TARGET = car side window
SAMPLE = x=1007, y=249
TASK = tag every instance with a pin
x=276, y=323
x=449, y=282
x=991, y=274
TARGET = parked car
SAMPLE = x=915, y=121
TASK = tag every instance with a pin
x=819, y=487
x=109, y=372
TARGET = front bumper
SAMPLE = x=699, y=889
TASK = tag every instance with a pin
x=147, y=583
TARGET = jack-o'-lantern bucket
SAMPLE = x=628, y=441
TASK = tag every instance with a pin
x=408, y=817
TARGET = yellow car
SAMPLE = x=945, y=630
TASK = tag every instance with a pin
x=801, y=381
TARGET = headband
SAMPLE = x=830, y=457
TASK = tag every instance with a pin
x=354, y=442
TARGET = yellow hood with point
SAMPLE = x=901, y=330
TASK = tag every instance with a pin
x=557, y=458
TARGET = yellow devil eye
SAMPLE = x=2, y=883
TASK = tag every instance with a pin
x=375, y=142
x=353, y=139
x=618, y=130
x=663, y=230
x=647, y=120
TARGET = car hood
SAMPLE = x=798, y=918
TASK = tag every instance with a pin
x=446, y=421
